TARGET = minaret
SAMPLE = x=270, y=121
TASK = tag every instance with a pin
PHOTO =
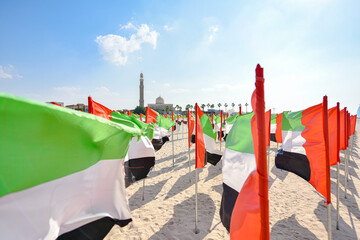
x=141, y=87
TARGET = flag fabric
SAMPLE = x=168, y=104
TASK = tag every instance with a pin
x=190, y=123
x=278, y=131
x=343, y=129
x=229, y=123
x=141, y=155
x=334, y=137
x=273, y=127
x=161, y=128
x=267, y=125
x=305, y=149
x=353, y=124
x=213, y=155
x=243, y=212
x=199, y=139
x=59, y=168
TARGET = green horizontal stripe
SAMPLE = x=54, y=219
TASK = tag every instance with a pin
x=207, y=126
x=40, y=142
x=291, y=121
x=273, y=118
x=240, y=137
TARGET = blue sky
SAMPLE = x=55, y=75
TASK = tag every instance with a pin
x=189, y=51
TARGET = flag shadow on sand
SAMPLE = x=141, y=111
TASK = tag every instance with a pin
x=183, y=222
x=345, y=232
x=290, y=228
x=150, y=193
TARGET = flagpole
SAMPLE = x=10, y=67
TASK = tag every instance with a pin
x=337, y=196
x=346, y=169
x=172, y=140
x=143, y=190
x=196, y=201
x=189, y=166
x=329, y=221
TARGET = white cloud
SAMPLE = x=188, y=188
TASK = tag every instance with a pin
x=66, y=89
x=167, y=28
x=166, y=84
x=4, y=73
x=116, y=48
x=101, y=91
x=213, y=30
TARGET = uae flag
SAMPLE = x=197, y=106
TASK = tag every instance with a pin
x=273, y=127
x=353, y=124
x=305, y=146
x=213, y=155
x=343, y=139
x=243, y=212
x=334, y=135
x=278, y=131
x=59, y=168
x=141, y=154
x=190, y=123
x=230, y=122
x=161, y=129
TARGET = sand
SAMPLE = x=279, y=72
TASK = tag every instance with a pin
x=297, y=211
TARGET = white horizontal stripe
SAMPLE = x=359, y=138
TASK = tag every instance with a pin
x=140, y=149
x=59, y=206
x=210, y=145
x=160, y=132
x=236, y=168
x=272, y=128
x=293, y=142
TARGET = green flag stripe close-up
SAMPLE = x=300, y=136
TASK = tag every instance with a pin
x=291, y=121
x=40, y=142
x=240, y=136
x=207, y=127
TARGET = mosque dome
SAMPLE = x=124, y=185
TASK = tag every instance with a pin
x=159, y=100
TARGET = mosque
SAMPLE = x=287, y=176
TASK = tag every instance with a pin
x=159, y=102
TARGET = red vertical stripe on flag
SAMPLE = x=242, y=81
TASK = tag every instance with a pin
x=326, y=141
x=98, y=109
x=333, y=135
x=278, y=131
x=221, y=120
x=267, y=124
x=353, y=124
x=151, y=116
x=199, y=139
x=190, y=123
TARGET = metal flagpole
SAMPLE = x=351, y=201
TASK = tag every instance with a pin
x=329, y=221
x=349, y=153
x=172, y=140
x=337, y=196
x=196, y=202
x=189, y=166
x=143, y=192
x=346, y=169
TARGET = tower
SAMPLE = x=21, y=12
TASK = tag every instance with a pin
x=141, y=88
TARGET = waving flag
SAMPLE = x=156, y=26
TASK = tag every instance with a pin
x=141, y=154
x=278, y=131
x=242, y=211
x=273, y=127
x=59, y=168
x=334, y=135
x=199, y=139
x=190, y=123
x=343, y=138
x=213, y=155
x=305, y=148
x=267, y=125
x=161, y=129
x=353, y=124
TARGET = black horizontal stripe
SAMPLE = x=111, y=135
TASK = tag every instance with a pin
x=272, y=137
x=228, y=200
x=137, y=169
x=158, y=143
x=212, y=158
x=293, y=162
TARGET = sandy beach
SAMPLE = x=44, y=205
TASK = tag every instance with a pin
x=297, y=211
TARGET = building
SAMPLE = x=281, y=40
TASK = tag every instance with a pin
x=141, y=90
x=160, y=105
x=79, y=107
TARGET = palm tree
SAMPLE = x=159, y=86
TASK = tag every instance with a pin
x=187, y=107
x=180, y=109
x=203, y=106
x=212, y=105
x=219, y=105
x=233, y=105
x=208, y=105
x=246, y=104
x=176, y=107
x=191, y=107
x=225, y=105
x=167, y=108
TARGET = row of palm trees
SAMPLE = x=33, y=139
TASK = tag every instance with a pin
x=209, y=106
